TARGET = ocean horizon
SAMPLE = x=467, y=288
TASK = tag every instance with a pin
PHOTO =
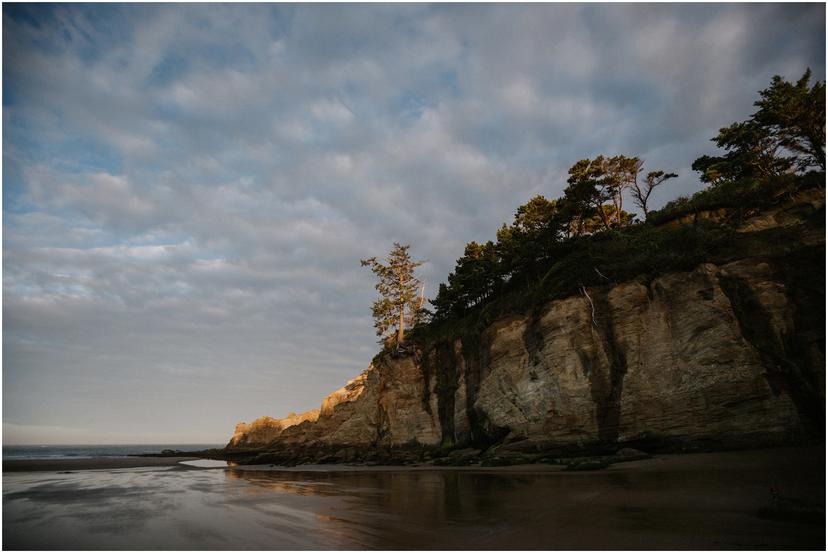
x=92, y=451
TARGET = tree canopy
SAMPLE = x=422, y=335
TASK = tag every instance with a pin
x=401, y=301
x=592, y=202
x=557, y=239
x=786, y=134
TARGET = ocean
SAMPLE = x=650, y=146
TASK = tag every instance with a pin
x=93, y=451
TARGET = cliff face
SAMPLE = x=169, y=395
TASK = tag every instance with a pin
x=266, y=429
x=727, y=354
x=383, y=405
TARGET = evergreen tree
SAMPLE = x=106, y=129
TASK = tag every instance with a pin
x=475, y=278
x=790, y=120
x=537, y=224
x=596, y=188
x=400, y=290
x=795, y=114
x=585, y=194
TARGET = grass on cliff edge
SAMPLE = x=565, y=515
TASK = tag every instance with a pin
x=645, y=251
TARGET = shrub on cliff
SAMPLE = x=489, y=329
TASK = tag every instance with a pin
x=746, y=193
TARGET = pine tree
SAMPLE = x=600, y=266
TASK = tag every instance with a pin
x=786, y=134
x=400, y=290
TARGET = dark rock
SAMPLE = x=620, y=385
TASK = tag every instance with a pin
x=464, y=453
x=496, y=462
x=595, y=464
x=630, y=454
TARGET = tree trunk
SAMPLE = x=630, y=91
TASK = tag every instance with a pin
x=620, y=208
x=603, y=215
x=401, y=330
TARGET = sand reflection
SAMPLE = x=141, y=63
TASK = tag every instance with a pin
x=421, y=510
x=467, y=510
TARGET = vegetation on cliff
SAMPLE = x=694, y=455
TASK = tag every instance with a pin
x=584, y=243
x=700, y=326
x=555, y=248
x=401, y=298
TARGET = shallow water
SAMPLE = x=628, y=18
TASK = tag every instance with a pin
x=205, y=463
x=189, y=508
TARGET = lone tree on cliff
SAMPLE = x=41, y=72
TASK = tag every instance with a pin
x=400, y=291
x=786, y=134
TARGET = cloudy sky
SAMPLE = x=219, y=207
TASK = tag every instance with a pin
x=188, y=189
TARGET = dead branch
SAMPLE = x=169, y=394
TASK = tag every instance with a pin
x=592, y=305
x=600, y=274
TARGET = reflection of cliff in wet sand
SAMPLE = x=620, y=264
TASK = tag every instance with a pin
x=690, y=501
x=703, y=501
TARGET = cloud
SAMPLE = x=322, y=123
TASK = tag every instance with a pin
x=188, y=189
x=102, y=198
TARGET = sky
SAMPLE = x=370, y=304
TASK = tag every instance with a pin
x=188, y=189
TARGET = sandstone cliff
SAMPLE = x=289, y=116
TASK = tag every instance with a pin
x=726, y=354
x=266, y=429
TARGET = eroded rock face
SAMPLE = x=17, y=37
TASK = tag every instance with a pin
x=803, y=204
x=690, y=373
x=668, y=360
x=545, y=391
x=384, y=406
x=265, y=430
x=571, y=359
x=460, y=418
x=406, y=417
x=672, y=360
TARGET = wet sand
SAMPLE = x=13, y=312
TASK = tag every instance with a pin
x=704, y=501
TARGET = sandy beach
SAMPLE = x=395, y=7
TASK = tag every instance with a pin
x=698, y=501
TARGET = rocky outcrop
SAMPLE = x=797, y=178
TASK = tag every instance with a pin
x=791, y=212
x=385, y=405
x=264, y=430
x=669, y=361
x=691, y=374
x=788, y=214
x=729, y=354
